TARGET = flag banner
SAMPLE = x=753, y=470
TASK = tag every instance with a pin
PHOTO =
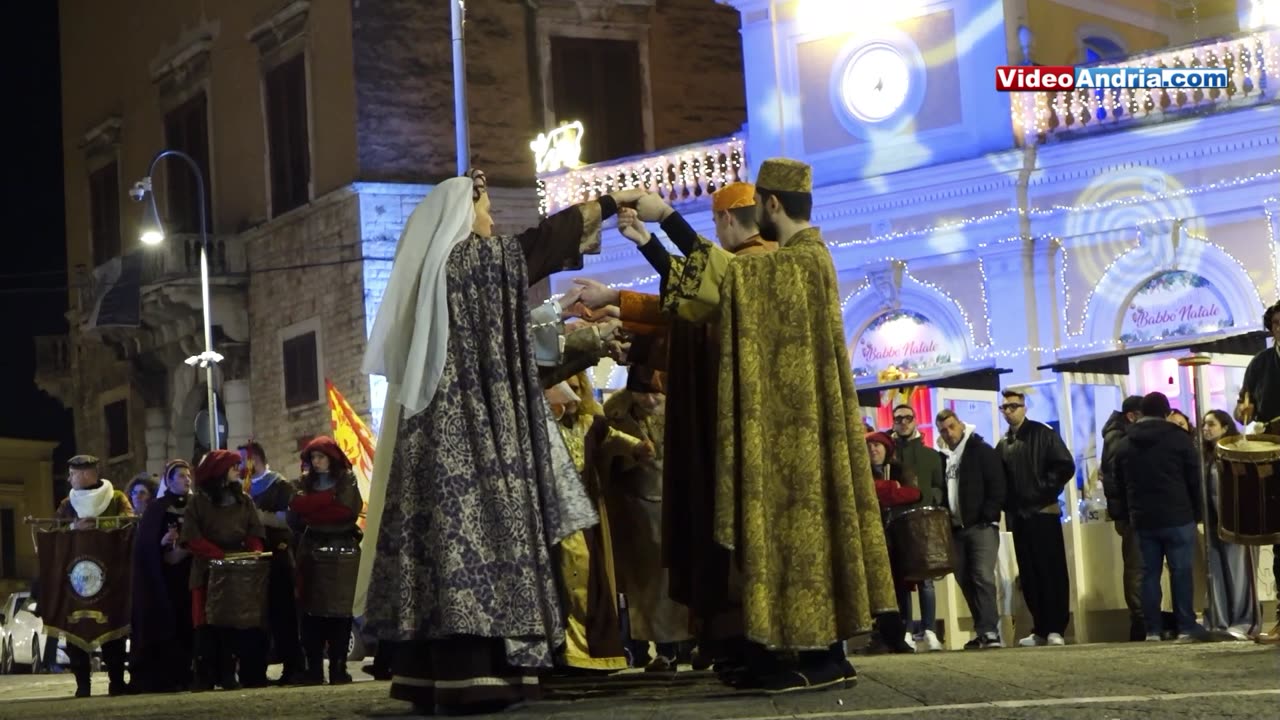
x=85, y=583
x=357, y=443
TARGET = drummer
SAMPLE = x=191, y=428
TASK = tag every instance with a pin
x=327, y=509
x=894, y=489
x=219, y=519
x=94, y=497
x=1260, y=402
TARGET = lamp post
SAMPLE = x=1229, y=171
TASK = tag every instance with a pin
x=1196, y=362
x=153, y=234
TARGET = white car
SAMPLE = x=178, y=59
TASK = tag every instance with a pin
x=22, y=637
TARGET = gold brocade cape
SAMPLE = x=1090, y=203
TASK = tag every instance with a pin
x=794, y=498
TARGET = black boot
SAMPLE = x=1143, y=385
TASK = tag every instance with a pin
x=227, y=679
x=205, y=650
x=339, y=635
x=82, y=682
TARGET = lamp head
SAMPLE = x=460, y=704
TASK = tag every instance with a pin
x=140, y=189
x=152, y=236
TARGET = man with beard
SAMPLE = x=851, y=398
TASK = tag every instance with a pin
x=792, y=475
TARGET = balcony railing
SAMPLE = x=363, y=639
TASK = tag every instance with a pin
x=176, y=260
x=683, y=176
x=53, y=355
x=1252, y=59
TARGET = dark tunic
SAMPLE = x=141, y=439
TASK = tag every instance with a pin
x=463, y=564
x=160, y=645
x=225, y=526
x=336, y=582
x=273, y=500
x=1262, y=382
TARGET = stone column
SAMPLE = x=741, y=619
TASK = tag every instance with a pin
x=239, y=407
x=1007, y=301
x=157, y=437
x=1272, y=208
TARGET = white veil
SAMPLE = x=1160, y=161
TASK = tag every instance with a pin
x=410, y=335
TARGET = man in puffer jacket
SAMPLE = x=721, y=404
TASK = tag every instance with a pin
x=1113, y=439
x=1037, y=466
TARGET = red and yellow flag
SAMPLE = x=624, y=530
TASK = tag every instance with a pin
x=355, y=439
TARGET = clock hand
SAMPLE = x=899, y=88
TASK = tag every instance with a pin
x=880, y=84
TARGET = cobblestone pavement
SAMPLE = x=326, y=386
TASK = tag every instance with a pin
x=1126, y=681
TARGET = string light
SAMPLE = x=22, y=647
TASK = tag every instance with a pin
x=1052, y=210
x=679, y=175
x=1043, y=115
x=1271, y=206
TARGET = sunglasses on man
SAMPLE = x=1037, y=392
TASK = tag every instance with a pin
x=1010, y=407
x=900, y=419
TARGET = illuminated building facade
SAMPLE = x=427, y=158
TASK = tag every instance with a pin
x=1073, y=243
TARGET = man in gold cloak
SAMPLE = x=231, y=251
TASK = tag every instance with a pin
x=794, y=500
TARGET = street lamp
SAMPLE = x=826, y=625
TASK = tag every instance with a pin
x=153, y=234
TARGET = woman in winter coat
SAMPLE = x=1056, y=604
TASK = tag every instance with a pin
x=328, y=557
x=1232, y=567
x=893, y=490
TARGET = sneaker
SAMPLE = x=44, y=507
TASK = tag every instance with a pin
x=931, y=642
x=661, y=664
x=1032, y=641
x=910, y=642
x=990, y=641
x=1154, y=638
x=1238, y=632
x=1055, y=639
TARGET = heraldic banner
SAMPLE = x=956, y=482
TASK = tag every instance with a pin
x=85, y=583
x=357, y=443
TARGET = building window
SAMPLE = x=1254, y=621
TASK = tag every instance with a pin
x=288, y=143
x=598, y=81
x=301, y=370
x=1098, y=47
x=186, y=128
x=104, y=212
x=8, y=544
x=116, y=415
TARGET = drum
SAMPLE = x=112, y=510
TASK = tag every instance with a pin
x=328, y=567
x=920, y=544
x=237, y=592
x=1249, y=489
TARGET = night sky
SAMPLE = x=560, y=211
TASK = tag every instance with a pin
x=33, y=281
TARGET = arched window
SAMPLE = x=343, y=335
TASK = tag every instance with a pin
x=1100, y=47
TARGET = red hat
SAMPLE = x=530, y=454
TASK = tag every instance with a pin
x=883, y=439
x=328, y=446
x=215, y=466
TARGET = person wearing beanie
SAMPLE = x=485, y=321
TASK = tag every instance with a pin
x=1157, y=475
x=1113, y=438
x=220, y=519
x=326, y=511
x=893, y=490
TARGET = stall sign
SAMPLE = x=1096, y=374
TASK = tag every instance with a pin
x=901, y=339
x=1174, y=304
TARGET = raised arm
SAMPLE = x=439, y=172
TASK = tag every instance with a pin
x=559, y=242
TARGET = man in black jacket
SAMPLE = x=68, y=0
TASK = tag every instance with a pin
x=975, y=490
x=1158, y=477
x=1113, y=433
x=1037, y=466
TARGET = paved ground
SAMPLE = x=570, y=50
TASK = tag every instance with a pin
x=1095, y=682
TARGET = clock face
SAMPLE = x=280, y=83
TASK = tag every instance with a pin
x=876, y=82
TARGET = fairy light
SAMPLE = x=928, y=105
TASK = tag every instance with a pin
x=680, y=175
x=1271, y=206
x=1059, y=246
x=1044, y=108
x=1056, y=209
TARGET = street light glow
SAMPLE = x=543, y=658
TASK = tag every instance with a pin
x=152, y=237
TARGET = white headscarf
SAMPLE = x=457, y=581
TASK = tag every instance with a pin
x=411, y=332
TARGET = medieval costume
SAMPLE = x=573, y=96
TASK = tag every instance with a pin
x=792, y=476
x=593, y=634
x=563, y=351
x=328, y=557
x=633, y=495
x=700, y=576
x=160, y=644
x=467, y=502
x=97, y=499
x=271, y=493
x=219, y=519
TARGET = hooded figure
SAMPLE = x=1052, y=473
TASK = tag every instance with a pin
x=160, y=646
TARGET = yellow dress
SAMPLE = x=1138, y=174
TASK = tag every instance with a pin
x=576, y=557
x=794, y=500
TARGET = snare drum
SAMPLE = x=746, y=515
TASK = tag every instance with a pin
x=329, y=568
x=237, y=594
x=920, y=544
x=1249, y=489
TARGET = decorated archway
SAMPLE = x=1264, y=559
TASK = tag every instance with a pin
x=910, y=327
x=1199, y=289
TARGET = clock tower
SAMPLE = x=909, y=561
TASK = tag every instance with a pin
x=866, y=88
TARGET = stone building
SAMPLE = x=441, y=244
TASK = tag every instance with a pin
x=319, y=125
